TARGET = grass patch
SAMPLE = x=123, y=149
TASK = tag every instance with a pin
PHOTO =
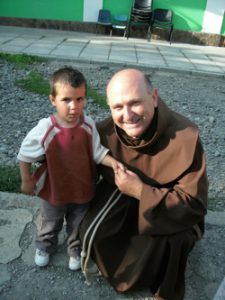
x=34, y=83
x=99, y=99
x=21, y=60
x=10, y=179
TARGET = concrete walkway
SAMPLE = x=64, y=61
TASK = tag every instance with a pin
x=206, y=265
x=102, y=48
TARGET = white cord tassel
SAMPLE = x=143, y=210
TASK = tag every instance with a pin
x=98, y=219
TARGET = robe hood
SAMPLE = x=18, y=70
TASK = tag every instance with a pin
x=166, y=152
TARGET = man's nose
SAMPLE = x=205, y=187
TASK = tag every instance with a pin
x=127, y=114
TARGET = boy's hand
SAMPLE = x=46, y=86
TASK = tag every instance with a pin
x=118, y=165
x=28, y=186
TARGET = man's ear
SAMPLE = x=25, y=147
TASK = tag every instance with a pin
x=155, y=97
x=52, y=100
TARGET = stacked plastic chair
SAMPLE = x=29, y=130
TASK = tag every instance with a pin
x=162, y=18
x=141, y=13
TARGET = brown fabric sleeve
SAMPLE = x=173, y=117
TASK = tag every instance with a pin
x=171, y=210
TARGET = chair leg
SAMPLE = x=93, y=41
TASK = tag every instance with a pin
x=149, y=34
x=151, y=30
x=128, y=29
x=170, y=36
x=127, y=34
x=108, y=30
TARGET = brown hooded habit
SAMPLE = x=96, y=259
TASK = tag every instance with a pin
x=146, y=243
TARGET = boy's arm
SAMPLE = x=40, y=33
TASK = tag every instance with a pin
x=100, y=152
x=109, y=161
x=28, y=183
x=32, y=151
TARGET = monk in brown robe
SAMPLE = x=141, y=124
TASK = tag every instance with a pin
x=145, y=238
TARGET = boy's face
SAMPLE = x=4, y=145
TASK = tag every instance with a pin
x=69, y=103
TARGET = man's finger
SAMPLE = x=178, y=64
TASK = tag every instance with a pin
x=130, y=172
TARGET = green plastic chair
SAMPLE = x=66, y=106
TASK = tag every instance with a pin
x=120, y=23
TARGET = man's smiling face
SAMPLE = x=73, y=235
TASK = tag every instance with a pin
x=131, y=103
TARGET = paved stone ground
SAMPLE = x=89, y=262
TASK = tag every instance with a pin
x=20, y=279
x=111, y=49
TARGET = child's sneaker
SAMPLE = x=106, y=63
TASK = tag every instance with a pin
x=41, y=258
x=74, y=263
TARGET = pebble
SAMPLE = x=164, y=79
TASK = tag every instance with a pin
x=200, y=98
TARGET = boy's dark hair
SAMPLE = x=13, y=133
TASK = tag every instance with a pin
x=67, y=75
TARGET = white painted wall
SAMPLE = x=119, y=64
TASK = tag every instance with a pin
x=91, y=8
x=213, y=17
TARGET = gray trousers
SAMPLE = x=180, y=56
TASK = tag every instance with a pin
x=51, y=223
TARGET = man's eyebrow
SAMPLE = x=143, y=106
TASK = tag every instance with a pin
x=131, y=101
x=135, y=100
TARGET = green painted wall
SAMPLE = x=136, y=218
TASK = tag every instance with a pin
x=122, y=7
x=188, y=14
x=69, y=10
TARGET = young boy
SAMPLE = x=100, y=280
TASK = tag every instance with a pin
x=68, y=146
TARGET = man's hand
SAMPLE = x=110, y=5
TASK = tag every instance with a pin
x=128, y=183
